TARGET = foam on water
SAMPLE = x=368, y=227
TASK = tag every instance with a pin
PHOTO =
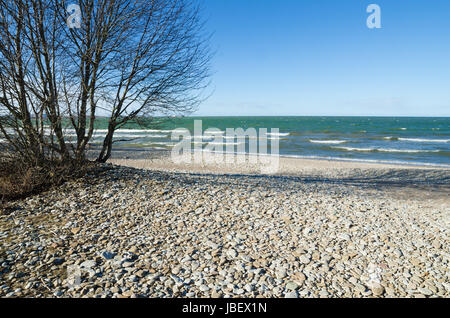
x=384, y=150
x=278, y=134
x=424, y=140
x=328, y=141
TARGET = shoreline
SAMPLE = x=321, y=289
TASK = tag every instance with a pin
x=243, y=164
x=136, y=154
x=391, y=181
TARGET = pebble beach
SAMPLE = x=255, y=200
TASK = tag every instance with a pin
x=147, y=228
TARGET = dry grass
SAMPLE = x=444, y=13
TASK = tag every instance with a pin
x=19, y=180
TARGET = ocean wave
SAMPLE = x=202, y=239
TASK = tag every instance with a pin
x=278, y=134
x=218, y=132
x=211, y=138
x=137, y=131
x=242, y=137
x=139, y=136
x=96, y=136
x=123, y=131
x=219, y=143
x=385, y=150
x=226, y=143
x=229, y=137
x=129, y=131
x=118, y=131
x=417, y=139
x=327, y=141
x=424, y=140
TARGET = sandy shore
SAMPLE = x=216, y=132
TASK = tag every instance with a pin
x=313, y=229
x=287, y=166
x=401, y=181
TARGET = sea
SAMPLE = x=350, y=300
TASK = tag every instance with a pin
x=395, y=140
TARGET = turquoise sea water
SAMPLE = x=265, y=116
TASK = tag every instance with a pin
x=382, y=139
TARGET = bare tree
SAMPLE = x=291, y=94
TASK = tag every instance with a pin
x=134, y=59
x=29, y=78
x=130, y=59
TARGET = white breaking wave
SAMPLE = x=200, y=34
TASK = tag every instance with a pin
x=229, y=137
x=238, y=137
x=127, y=136
x=355, y=149
x=218, y=143
x=424, y=140
x=225, y=143
x=138, y=136
x=219, y=132
x=278, y=134
x=328, y=141
x=180, y=130
x=384, y=150
x=129, y=131
x=209, y=138
x=123, y=136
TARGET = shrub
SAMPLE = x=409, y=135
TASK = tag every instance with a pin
x=19, y=180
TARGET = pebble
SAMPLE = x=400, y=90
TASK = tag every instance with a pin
x=292, y=294
x=292, y=286
x=281, y=273
x=232, y=253
x=249, y=287
x=160, y=231
x=75, y=230
x=425, y=291
x=377, y=290
x=305, y=259
x=108, y=255
x=204, y=288
x=88, y=264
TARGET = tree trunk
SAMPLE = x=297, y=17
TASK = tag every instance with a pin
x=105, y=153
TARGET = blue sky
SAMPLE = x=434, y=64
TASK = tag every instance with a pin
x=317, y=57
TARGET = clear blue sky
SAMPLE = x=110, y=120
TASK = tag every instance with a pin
x=317, y=57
